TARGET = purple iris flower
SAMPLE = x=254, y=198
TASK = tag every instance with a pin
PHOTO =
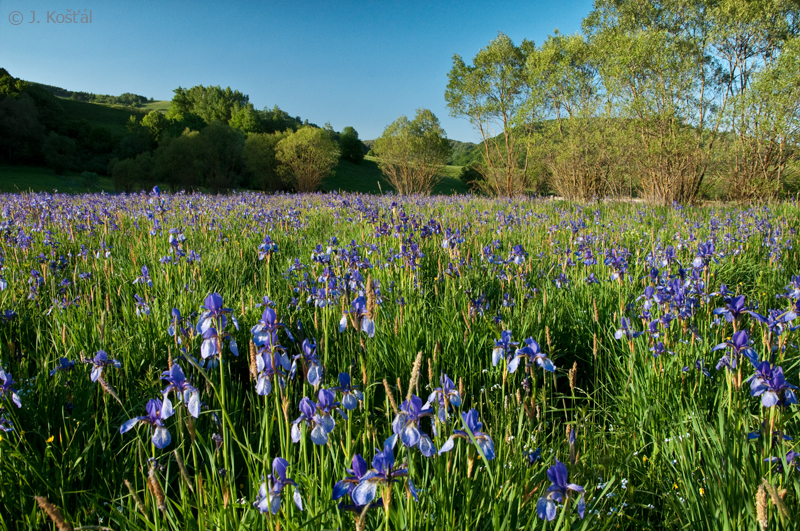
x=660, y=349
x=533, y=354
x=157, y=413
x=349, y=483
x=406, y=426
x=625, y=330
x=186, y=392
x=447, y=391
x=6, y=381
x=739, y=345
x=271, y=491
x=179, y=326
x=266, y=248
x=271, y=361
x=383, y=472
x=776, y=321
x=267, y=325
x=351, y=396
x=502, y=348
x=734, y=308
x=144, y=278
x=770, y=384
x=142, y=306
x=99, y=364
x=317, y=417
x=312, y=366
x=211, y=326
x=64, y=365
x=558, y=491
x=363, y=321
x=6, y=425
x=474, y=427
x=791, y=456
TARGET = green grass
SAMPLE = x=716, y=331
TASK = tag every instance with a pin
x=160, y=105
x=38, y=179
x=110, y=117
x=366, y=178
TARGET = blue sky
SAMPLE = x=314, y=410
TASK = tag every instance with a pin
x=361, y=64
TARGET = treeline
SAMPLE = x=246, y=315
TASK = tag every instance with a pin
x=663, y=99
x=127, y=99
x=215, y=139
x=210, y=138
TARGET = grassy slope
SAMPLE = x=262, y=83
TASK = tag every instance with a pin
x=367, y=178
x=98, y=115
x=35, y=179
x=157, y=106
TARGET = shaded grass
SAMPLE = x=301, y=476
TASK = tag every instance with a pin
x=38, y=179
x=110, y=117
x=366, y=178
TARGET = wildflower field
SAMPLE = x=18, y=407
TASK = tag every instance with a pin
x=383, y=362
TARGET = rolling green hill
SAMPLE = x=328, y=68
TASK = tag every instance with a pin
x=110, y=117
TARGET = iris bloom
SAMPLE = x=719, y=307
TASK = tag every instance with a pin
x=271, y=491
x=6, y=381
x=212, y=324
x=317, y=417
x=271, y=361
x=448, y=392
x=406, y=426
x=6, y=425
x=64, y=365
x=733, y=309
x=558, y=492
x=482, y=440
x=770, y=384
x=157, y=413
x=363, y=321
x=532, y=353
x=312, y=366
x=739, y=345
x=625, y=330
x=144, y=278
x=349, y=483
x=99, y=364
x=351, y=396
x=383, y=472
x=186, y=392
x=502, y=348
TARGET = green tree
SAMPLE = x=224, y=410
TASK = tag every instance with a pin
x=307, y=156
x=221, y=156
x=412, y=153
x=179, y=161
x=21, y=134
x=351, y=147
x=246, y=119
x=494, y=94
x=157, y=124
x=260, y=161
x=212, y=104
x=59, y=152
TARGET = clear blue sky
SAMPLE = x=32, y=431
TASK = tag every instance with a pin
x=353, y=63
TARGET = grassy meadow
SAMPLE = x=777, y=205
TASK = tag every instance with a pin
x=351, y=361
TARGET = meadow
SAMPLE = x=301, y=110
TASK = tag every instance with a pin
x=347, y=361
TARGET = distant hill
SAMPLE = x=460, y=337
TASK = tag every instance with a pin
x=127, y=99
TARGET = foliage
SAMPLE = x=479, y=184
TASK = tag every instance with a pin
x=494, y=95
x=307, y=156
x=351, y=147
x=260, y=161
x=411, y=154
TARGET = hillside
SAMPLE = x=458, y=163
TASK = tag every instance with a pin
x=111, y=117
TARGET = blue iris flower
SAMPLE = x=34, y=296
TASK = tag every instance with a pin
x=157, y=413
